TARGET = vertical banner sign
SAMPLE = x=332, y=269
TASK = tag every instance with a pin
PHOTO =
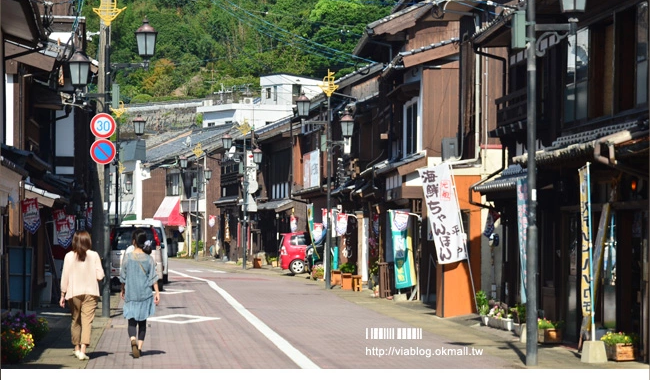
x=522, y=228
x=226, y=232
x=293, y=223
x=324, y=211
x=492, y=217
x=341, y=224
x=318, y=232
x=31, y=216
x=310, y=220
x=89, y=216
x=212, y=220
x=444, y=213
x=402, y=249
x=585, y=290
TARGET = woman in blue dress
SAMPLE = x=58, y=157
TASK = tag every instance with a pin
x=137, y=276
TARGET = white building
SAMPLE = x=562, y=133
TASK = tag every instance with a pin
x=279, y=93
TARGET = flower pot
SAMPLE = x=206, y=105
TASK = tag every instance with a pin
x=346, y=281
x=494, y=322
x=336, y=278
x=506, y=324
x=549, y=336
x=620, y=352
x=485, y=319
x=257, y=263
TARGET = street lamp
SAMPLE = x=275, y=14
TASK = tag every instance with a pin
x=347, y=127
x=534, y=51
x=207, y=175
x=226, y=141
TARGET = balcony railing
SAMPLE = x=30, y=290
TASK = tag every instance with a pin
x=511, y=108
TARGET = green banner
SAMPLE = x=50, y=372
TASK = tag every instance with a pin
x=402, y=248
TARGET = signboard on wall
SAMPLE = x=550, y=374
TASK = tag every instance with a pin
x=311, y=169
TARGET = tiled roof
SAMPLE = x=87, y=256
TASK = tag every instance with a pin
x=507, y=180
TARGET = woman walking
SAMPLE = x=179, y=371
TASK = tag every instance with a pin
x=82, y=268
x=137, y=276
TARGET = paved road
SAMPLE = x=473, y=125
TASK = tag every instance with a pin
x=214, y=320
x=214, y=315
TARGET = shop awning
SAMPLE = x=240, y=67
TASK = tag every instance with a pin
x=45, y=198
x=169, y=212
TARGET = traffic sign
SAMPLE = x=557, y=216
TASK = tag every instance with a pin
x=102, y=151
x=103, y=125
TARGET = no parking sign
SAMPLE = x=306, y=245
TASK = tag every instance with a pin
x=102, y=151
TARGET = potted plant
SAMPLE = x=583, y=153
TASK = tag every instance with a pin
x=519, y=316
x=620, y=346
x=482, y=305
x=272, y=260
x=347, y=270
x=548, y=331
x=317, y=271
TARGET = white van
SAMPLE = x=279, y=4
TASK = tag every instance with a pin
x=160, y=230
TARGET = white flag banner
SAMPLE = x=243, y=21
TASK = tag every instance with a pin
x=444, y=213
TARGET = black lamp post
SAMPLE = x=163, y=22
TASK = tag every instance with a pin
x=226, y=141
x=207, y=175
x=568, y=7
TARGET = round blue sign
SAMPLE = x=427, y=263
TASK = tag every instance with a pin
x=102, y=151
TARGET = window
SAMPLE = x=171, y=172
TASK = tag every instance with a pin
x=268, y=92
x=575, y=101
x=174, y=183
x=642, y=54
x=411, y=134
x=295, y=90
x=275, y=93
x=607, y=66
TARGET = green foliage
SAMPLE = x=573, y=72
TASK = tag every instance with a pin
x=142, y=98
x=612, y=339
x=348, y=268
x=203, y=44
x=519, y=312
x=482, y=303
x=193, y=246
x=543, y=324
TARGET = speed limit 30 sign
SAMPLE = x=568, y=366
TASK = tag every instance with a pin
x=103, y=125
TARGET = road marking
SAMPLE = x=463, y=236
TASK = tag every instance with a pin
x=294, y=354
x=181, y=318
x=194, y=270
x=176, y=291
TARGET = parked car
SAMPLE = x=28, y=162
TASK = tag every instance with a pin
x=164, y=246
x=121, y=238
x=296, y=252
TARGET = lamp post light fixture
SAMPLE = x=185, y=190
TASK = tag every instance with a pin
x=534, y=51
x=226, y=141
x=128, y=186
x=138, y=125
x=200, y=182
x=347, y=126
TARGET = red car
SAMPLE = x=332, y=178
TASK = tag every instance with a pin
x=296, y=252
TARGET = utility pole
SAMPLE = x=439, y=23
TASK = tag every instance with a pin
x=101, y=228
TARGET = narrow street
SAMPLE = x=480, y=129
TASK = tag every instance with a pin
x=209, y=319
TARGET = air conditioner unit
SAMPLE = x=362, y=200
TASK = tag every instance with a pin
x=248, y=100
x=449, y=148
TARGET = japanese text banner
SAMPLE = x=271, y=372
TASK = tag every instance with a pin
x=444, y=213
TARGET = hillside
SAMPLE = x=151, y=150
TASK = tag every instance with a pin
x=206, y=45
